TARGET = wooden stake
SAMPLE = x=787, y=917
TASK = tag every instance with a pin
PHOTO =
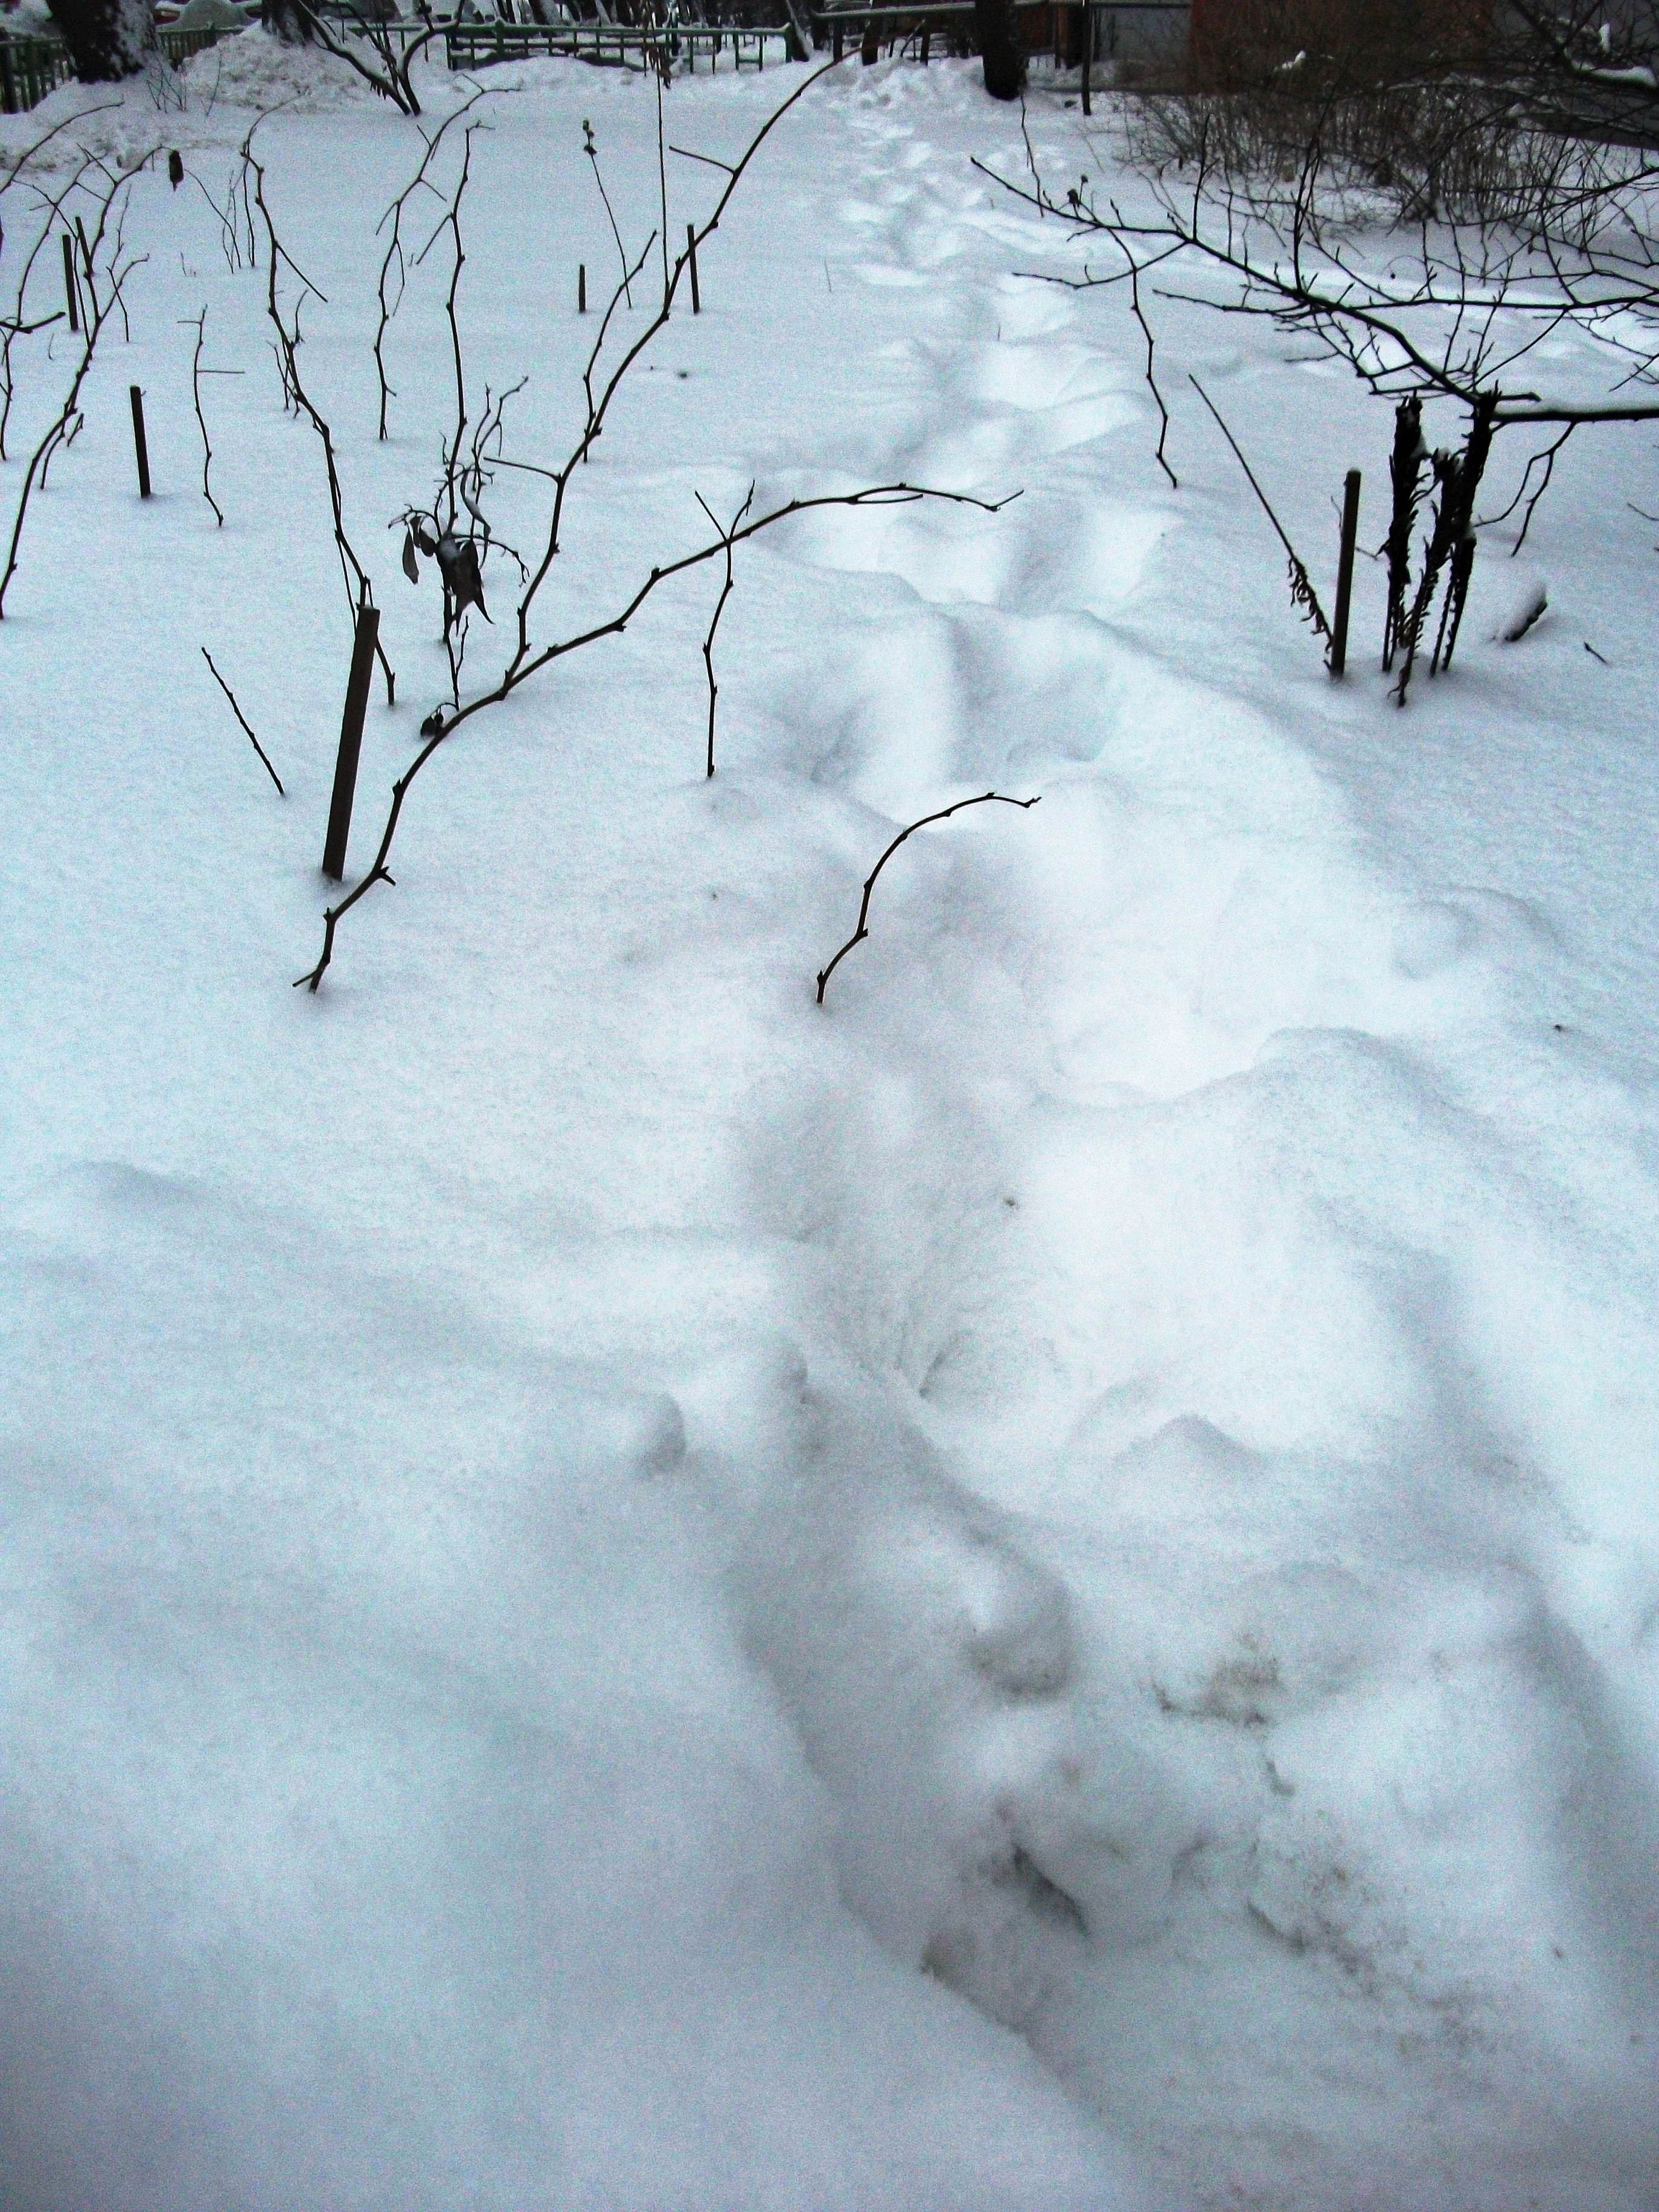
x=1087, y=52
x=140, y=444
x=691, y=256
x=71, y=291
x=1344, y=573
x=351, y=740
x=582, y=288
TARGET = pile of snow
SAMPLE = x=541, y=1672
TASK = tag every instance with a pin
x=1031, y=1590
x=255, y=69
x=204, y=103
x=121, y=125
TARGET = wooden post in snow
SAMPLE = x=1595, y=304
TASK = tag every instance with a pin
x=140, y=444
x=351, y=740
x=1344, y=573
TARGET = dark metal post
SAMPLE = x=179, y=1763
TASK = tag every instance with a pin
x=1344, y=573
x=1088, y=51
x=71, y=291
x=351, y=740
x=582, y=288
x=691, y=256
x=140, y=447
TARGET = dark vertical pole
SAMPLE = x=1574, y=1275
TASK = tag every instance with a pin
x=72, y=292
x=140, y=447
x=1087, y=52
x=837, y=39
x=582, y=288
x=691, y=256
x=1344, y=573
x=351, y=740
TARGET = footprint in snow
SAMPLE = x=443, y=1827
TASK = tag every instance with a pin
x=926, y=1665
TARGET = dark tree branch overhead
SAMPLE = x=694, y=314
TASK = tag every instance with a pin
x=1457, y=329
x=297, y=20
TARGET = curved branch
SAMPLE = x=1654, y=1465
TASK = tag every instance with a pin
x=436, y=729
x=944, y=815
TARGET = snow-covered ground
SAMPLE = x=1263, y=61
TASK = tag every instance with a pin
x=1033, y=1588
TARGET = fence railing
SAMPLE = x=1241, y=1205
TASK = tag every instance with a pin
x=31, y=67
x=617, y=45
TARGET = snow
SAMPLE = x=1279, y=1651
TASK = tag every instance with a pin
x=1031, y=1588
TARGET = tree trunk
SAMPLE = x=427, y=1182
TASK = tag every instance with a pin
x=1000, y=43
x=107, y=40
x=287, y=23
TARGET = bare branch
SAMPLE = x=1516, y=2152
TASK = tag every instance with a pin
x=1151, y=380
x=354, y=576
x=394, y=252
x=245, y=722
x=944, y=815
x=720, y=609
x=1302, y=589
x=1547, y=457
x=437, y=727
x=198, y=323
x=592, y=150
x=685, y=154
x=105, y=241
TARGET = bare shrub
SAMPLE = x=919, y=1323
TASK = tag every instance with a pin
x=1445, y=119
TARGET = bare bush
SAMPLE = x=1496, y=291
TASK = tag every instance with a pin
x=1531, y=127
x=1558, y=233
x=473, y=456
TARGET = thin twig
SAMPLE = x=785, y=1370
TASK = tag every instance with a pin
x=394, y=252
x=1302, y=589
x=592, y=150
x=685, y=154
x=944, y=815
x=354, y=576
x=1543, y=486
x=720, y=609
x=199, y=323
x=1151, y=380
x=245, y=722
x=662, y=188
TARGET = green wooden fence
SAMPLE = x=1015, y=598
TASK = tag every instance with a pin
x=30, y=67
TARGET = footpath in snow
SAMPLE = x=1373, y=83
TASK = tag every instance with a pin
x=1029, y=1590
